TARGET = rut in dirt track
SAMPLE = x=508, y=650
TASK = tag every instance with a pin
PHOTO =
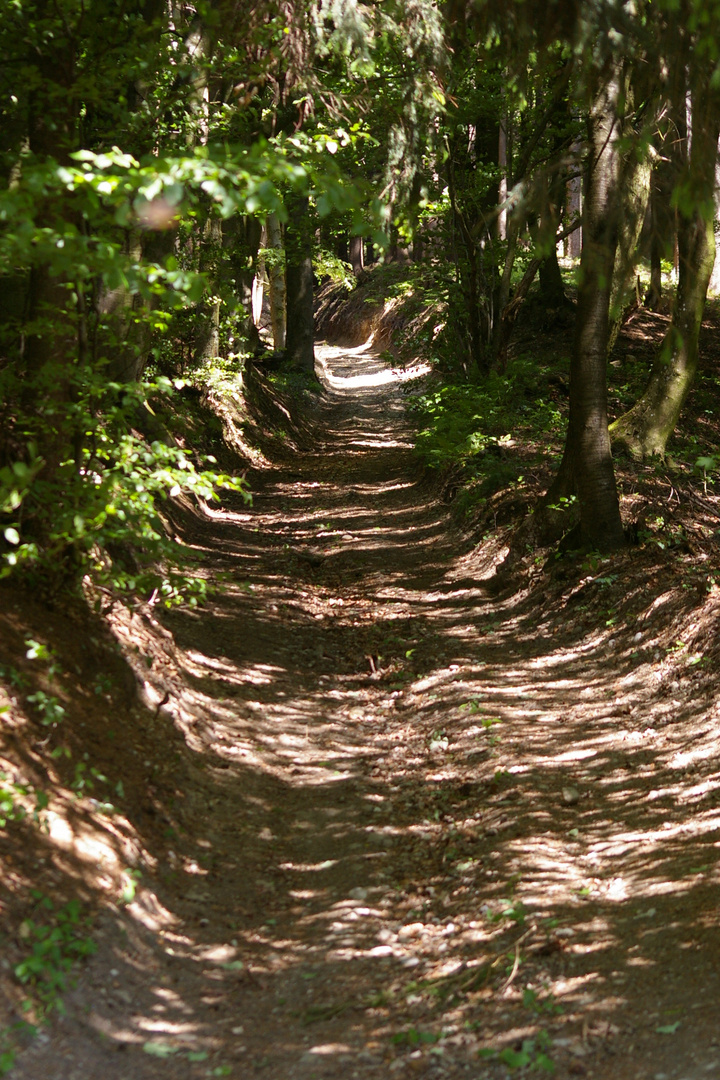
x=386, y=788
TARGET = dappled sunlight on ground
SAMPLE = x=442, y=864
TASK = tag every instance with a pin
x=410, y=819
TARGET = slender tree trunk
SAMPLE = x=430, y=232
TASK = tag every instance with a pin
x=634, y=197
x=241, y=242
x=475, y=325
x=207, y=335
x=510, y=312
x=500, y=337
x=662, y=233
x=646, y=428
x=587, y=468
x=502, y=165
x=52, y=324
x=123, y=337
x=299, y=284
x=276, y=276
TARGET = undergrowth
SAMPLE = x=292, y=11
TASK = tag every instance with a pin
x=54, y=939
x=489, y=431
x=99, y=516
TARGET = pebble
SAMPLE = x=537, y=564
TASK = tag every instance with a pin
x=358, y=894
x=570, y=796
x=411, y=930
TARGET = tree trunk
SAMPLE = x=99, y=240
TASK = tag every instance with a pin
x=241, y=241
x=662, y=233
x=587, y=468
x=647, y=427
x=634, y=197
x=207, y=333
x=276, y=276
x=299, y=285
x=552, y=287
x=672, y=160
x=500, y=328
x=123, y=336
x=474, y=324
x=357, y=260
x=54, y=325
x=506, y=321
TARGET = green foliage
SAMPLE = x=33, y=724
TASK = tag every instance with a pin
x=54, y=945
x=110, y=257
x=513, y=910
x=546, y=1004
x=328, y=266
x=474, y=425
x=532, y=1054
x=100, y=513
x=11, y=809
x=48, y=707
x=414, y=1037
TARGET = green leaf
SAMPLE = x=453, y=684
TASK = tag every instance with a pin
x=668, y=1029
x=159, y=1049
x=515, y=1059
x=7, y=1061
x=12, y=535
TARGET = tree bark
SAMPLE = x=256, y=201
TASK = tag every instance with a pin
x=586, y=470
x=276, y=277
x=552, y=287
x=241, y=241
x=662, y=232
x=357, y=260
x=299, y=344
x=647, y=427
x=634, y=197
x=672, y=161
x=207, y=324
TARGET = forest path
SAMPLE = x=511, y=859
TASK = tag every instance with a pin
x=412, y=820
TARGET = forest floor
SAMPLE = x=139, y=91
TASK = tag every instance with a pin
x=373, y=815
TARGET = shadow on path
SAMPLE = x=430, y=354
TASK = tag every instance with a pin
x=415, y=821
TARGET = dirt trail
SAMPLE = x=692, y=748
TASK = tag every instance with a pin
x=412, y=820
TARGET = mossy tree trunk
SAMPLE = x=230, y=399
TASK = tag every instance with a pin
x=647, y=427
